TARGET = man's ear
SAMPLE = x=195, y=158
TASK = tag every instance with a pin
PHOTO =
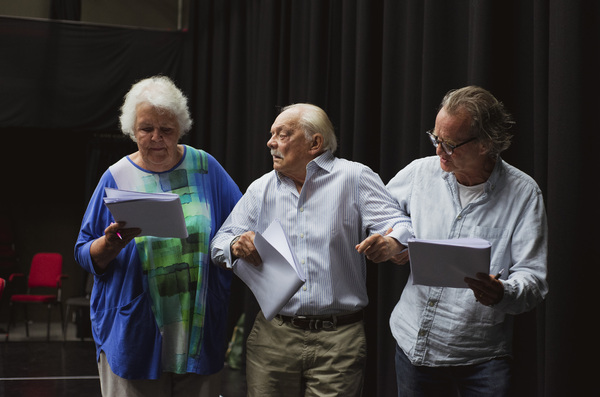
x=483, y=150
x=316, y=145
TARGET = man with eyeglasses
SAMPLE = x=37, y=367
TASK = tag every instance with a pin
x=459, y=339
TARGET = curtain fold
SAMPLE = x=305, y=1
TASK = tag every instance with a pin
x=73, y=76
x=65, y=9
x=573, y=82
x=379, y=68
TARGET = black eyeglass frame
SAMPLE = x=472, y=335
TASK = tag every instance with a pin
x=448, y=148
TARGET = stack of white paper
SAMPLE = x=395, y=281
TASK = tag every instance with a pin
x=157, y=214
x=279, y=276
x=445, y=263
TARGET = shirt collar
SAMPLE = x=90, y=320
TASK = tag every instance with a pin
x=492, y=181
x=497, y=173
x=323, y=161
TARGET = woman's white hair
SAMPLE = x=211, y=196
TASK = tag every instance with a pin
x=161, y=93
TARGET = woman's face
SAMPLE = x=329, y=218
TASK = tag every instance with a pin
x=157, y=134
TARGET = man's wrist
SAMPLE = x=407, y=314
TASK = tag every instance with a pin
x=232, y=243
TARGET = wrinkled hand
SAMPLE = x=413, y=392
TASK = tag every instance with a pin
x=401, y=258
x=244, y=248
x=378, y=248
x=488, y=290
x=106, y=248
x=118, y=236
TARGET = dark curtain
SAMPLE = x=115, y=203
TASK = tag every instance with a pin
x=72, y=76
x=69, y=10
x=379, y=68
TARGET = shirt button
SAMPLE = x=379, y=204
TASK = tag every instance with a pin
x=431, y=303
x=304, y=288
x=301, y=209
x=302, y=261
x=301, y=235
x=459, y=217
x=422, y=332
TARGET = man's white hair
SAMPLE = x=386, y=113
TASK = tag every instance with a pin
x=312, y=120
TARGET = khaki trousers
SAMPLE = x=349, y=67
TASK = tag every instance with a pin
x=169, y=384
x=286, y=361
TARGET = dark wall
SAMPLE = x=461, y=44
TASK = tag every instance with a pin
x=61, y=86
x=379, y=68
x=47, y=181
x=42, y=195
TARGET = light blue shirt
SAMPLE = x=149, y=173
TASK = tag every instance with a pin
x=446, y=326
x=341, y=202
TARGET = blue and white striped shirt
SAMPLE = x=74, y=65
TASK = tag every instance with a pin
x=341, y=203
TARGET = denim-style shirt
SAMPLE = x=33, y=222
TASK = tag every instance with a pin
x=437, y=326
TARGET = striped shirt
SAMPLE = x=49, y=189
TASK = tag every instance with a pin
x=341, y=203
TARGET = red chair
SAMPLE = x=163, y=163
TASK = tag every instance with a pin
x=2, y=286
x=45, y=272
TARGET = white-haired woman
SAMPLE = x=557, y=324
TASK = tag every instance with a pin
x=159, y=307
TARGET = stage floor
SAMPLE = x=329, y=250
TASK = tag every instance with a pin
x=35, y=367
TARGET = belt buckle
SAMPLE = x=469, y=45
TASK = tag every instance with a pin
x=293, y=321
x=315, y=324
x=326, y=324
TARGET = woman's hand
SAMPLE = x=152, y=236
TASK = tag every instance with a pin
x=106, y=248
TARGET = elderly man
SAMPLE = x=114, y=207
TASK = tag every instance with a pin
x=460, y=338
x=327, y=207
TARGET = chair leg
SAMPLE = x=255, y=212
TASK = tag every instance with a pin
x=80, y=324
x=49, y=318
x=26, y=321
x=10, y=310
x=62, y=318
x=65, y=323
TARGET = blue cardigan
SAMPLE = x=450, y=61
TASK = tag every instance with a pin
x=123, y=323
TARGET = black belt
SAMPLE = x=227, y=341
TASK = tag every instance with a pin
x=315, y=323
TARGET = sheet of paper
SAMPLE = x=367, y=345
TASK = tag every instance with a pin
x=278, y=278
x=157, y=214
x=445, y=263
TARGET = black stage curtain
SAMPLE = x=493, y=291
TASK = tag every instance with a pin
x=68, y=10
x=71, y=76
x=379, y=68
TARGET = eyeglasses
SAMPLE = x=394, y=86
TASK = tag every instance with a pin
x=448, y=148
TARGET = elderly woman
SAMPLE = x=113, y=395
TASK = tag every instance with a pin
x=159, y=306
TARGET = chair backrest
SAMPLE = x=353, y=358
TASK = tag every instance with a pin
x=45, y=269
x=2, y=285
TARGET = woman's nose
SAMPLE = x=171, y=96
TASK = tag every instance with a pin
x=156, y=135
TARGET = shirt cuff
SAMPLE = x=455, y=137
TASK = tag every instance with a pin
x=401, y=235
x=229, y=259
